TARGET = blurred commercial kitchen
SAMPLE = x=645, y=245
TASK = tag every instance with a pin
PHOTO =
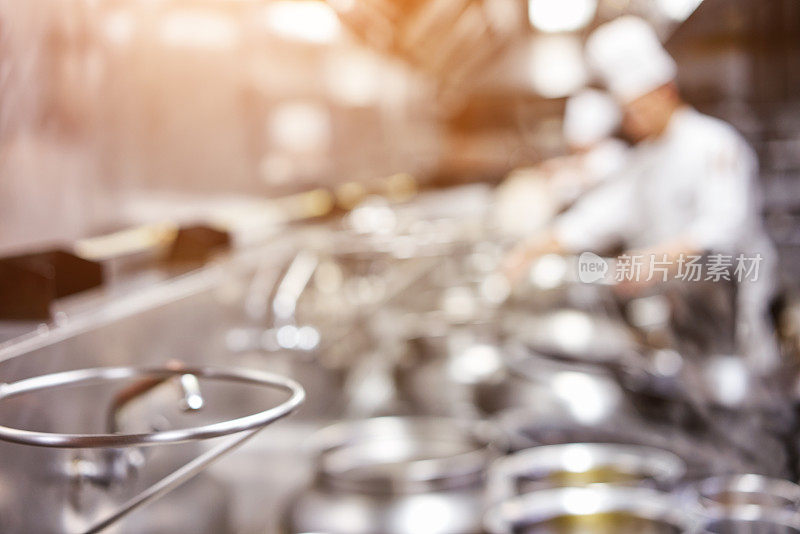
x=399, y=266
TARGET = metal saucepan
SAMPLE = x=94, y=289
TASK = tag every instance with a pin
x=396, y=475
x=582, y=464
x=750, y=519
x=747, y=489
x=439, y=369
x=599, y=509
x=531, y=427
x=574, y=335
x=528, y=379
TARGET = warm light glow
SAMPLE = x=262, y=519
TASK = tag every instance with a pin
x=353, y=78
x=678, y=10
x=300, y=127
x=373, y=218
x=557, y=67
x=311, y=21
x=561, y=15
x=199, y=29
x=503, y=15
x=119, y=27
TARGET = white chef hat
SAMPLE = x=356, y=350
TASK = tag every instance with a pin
x=628, y=56
x=590, y=116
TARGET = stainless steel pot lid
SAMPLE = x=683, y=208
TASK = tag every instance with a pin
x=580, y=464
x=599, y=509
x=395, y=455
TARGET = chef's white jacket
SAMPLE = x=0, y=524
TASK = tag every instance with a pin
x=696, y=182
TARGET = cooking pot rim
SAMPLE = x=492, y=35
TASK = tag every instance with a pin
x=478, y=441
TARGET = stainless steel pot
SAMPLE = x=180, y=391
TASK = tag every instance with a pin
x=751, y=520
x=746, y=503
x=531, y=427
x=593, y=510
x=396, y=475
x=575, y=335
x=439, y=369
x=601, y=346
x=529, y=379
x=747, y=489
x=582, y=464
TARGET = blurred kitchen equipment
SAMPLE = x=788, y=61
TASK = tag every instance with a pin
x=553, y=282
x=30, y=282
x=441, y=365
x=312, y=349
x=109, y=472
x=528, y=427
x=319, y=321
x=716, y=395
x=746, y=489
x=751, y=520
x=582, y=464
x=198, y=243
x=527, y=378
x=574, y=335
x=596, y=510
x=147, y=405
x=737, y=403
x=449, y=40
x=396, y=475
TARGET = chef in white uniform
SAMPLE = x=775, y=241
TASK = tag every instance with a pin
x=690, y=187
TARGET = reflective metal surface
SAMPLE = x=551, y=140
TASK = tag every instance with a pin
x=224, y=428
x=747, y=489
x=582, y=464
x=751, y=520
x=395, y=475
x=419, y=334
x=596, y=510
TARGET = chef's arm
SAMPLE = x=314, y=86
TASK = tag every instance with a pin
x=667, y=253
x=601, y=218
x=526, y=252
